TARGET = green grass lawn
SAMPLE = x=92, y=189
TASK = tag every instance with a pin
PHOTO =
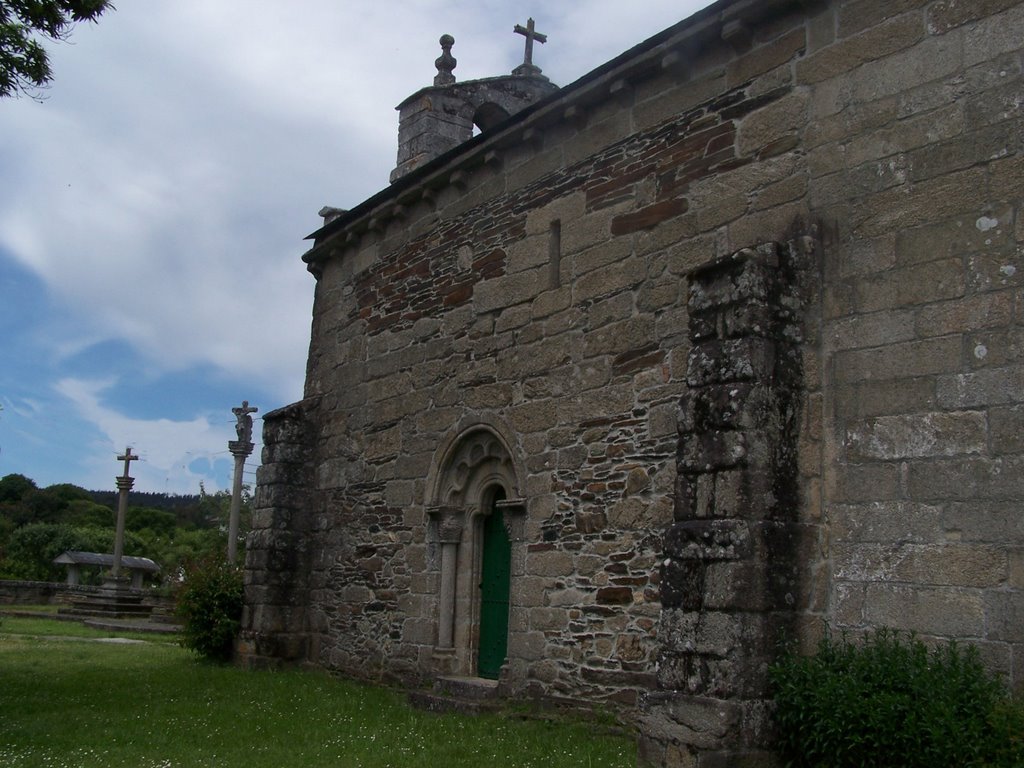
x=43, y=626
x=74, y=703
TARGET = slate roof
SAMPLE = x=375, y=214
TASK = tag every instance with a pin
x=95, y=558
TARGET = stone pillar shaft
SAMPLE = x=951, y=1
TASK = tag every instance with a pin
x=449, y=531
x=446, y=613
x=240, y=450
x=124, y=484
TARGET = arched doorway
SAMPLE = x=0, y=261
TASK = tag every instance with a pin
x=474, y=524
x=495, y=577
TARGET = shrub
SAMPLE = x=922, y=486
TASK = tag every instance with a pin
x=891, y=701
x=210, y=604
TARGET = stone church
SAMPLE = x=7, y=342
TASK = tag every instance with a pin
x=720, y=345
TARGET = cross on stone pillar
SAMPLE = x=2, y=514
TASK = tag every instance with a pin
x=528, y=67
x=124, y=484
x=243, y=426
x=240, y=449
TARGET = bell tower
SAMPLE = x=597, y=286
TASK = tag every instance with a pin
x=440, y=117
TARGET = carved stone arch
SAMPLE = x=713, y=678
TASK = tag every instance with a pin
x=460, y=448
x=475, y=472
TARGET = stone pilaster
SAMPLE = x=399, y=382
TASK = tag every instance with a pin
x=729, y=575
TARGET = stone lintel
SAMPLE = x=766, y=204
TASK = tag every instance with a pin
x=515, y=506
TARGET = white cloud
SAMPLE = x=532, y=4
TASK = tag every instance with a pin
x=162, y=191
x=166, y=447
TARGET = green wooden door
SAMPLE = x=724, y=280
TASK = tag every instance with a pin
x=494, y=587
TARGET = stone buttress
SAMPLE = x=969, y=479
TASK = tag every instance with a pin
x=730, y=570
x=274, y=621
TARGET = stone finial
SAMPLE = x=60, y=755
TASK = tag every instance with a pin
x=528, y=67
x=445, y=63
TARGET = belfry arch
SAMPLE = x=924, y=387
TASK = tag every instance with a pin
x=475, y=485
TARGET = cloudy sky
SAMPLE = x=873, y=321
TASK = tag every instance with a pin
x=153, y=206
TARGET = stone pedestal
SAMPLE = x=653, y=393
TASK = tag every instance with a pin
x=114, y=600
x=114, y=584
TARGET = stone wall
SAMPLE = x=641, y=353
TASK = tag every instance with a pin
x=914, y=152
x=536, y=287
x=16, y=592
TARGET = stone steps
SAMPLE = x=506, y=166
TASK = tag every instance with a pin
x=109, y=604
x=465, y=695
x=111, y=612
x=134, y=623
x=99, y=610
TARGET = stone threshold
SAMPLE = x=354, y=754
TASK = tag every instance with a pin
x=464, y=695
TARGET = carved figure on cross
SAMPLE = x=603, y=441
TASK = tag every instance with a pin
x=243, y=425
x=127, y=457
x=530, y=33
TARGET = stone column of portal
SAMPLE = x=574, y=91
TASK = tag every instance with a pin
x=449, y=535
x=240, y=449
x=124, y=484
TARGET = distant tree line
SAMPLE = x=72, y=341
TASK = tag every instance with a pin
x=38, y=524
x=189, y=510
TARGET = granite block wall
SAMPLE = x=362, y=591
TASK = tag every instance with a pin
x=540, y=287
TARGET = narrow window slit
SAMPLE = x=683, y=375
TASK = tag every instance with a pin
x=555, y=254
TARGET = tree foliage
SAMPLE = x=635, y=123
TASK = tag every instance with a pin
x=23, y=503
x=88, y=514
x=24, y=64
x=157, y=521
x=169, y=529
x=32, y=548
x=15, y=487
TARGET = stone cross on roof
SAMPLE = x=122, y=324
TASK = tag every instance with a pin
x=528, y=67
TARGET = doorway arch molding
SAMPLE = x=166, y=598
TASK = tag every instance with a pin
x=441, y=485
